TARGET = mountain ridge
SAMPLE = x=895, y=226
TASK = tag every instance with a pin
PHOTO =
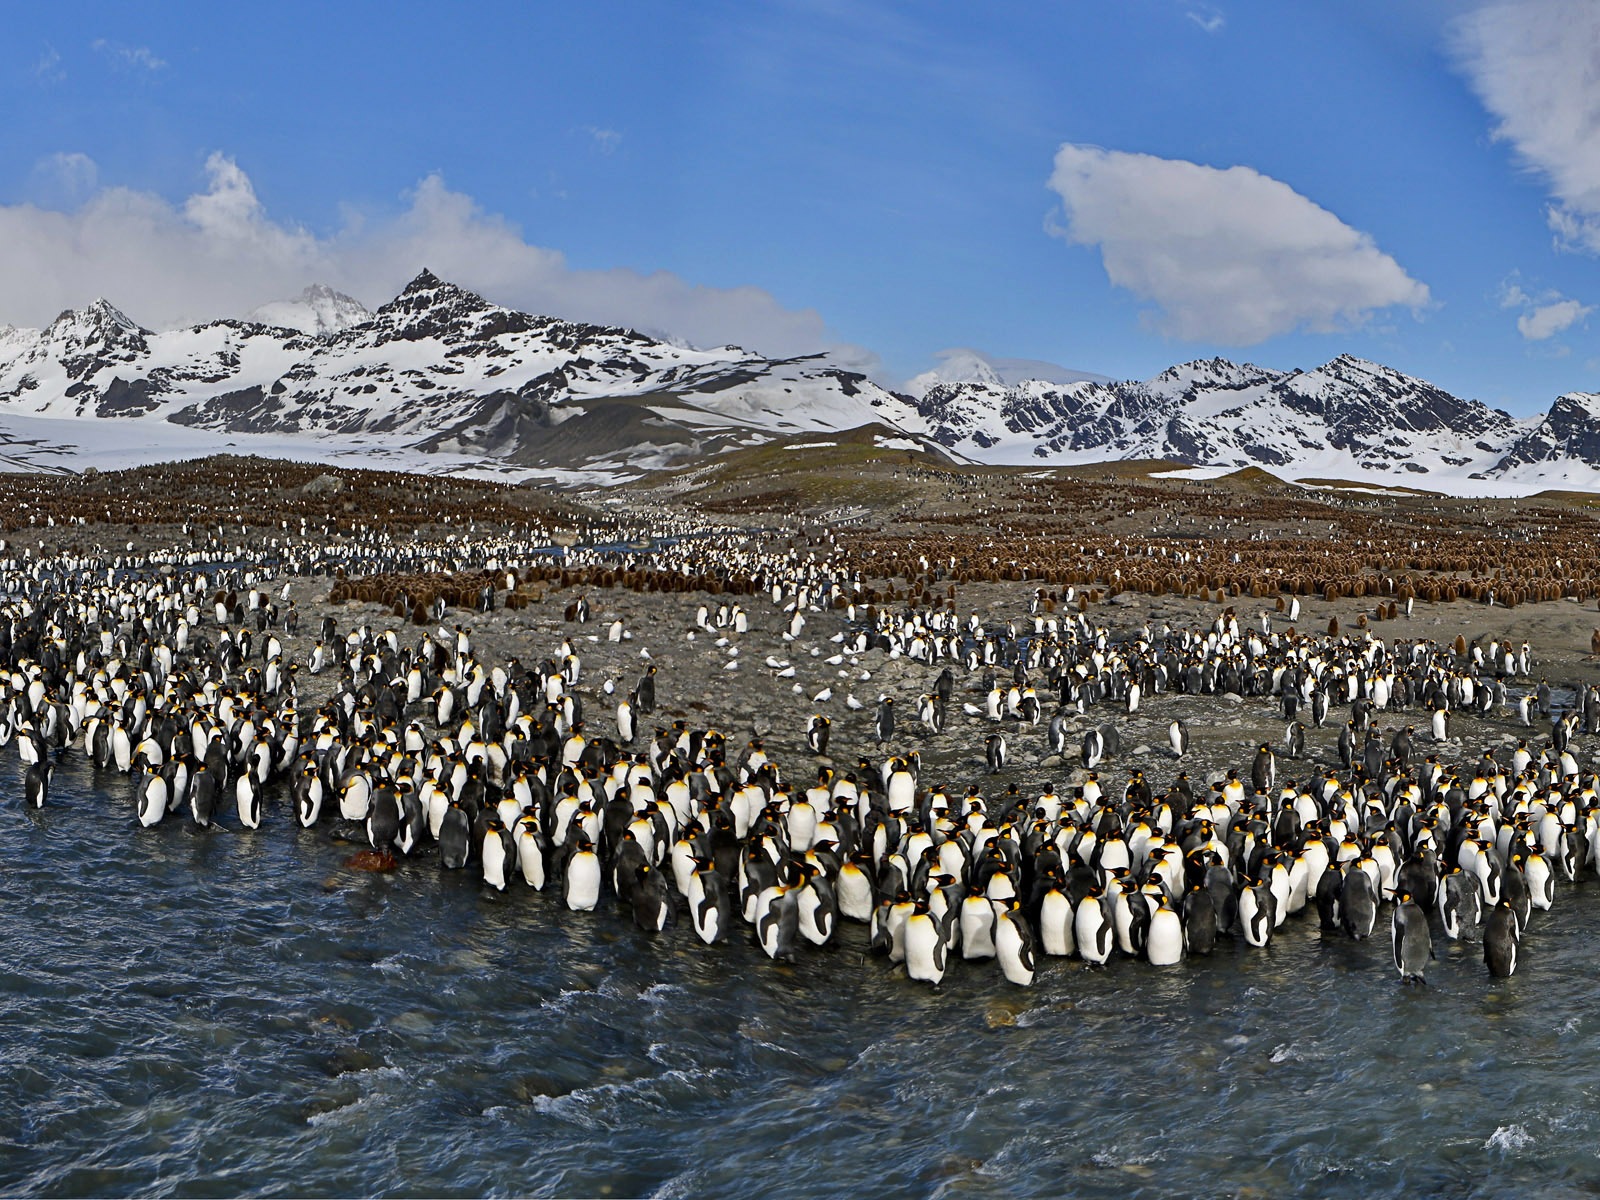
x=442, y=379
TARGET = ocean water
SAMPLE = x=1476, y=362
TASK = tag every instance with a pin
x=187, y=1013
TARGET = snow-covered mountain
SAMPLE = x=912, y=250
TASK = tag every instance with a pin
x=317, y=310
x=1348, y=419
x=437, y=374
x=964, y=365
x=440, y=379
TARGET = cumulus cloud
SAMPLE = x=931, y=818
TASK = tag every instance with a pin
x=1534, y=65
x=220, y=253
x=1544, y=315
x=1228, y=256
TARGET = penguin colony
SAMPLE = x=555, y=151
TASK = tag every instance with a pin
x=171, y=669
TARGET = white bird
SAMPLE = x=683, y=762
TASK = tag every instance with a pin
x=823, y=696
x=853, y=704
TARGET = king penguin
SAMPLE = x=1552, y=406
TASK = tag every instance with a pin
x=1500, y=941
x=1013, y=945
x=1413, y=944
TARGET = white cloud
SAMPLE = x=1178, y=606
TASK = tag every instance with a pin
x=63, y=180
x=1545, y=315
x=140, y=57
x=1226, y=255
x=1535, y=66
x=1550, y=319
x=49, y=69
x=605, y=140
x=220, y=253
x=1207, y=16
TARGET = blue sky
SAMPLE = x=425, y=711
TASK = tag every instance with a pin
x=1114, y=186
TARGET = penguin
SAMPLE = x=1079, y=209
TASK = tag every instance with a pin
x=36, y=783
x=884, y=721
x=1056, y=936
x=651, y=901
x=383, y=819
x=995, y=753
x=1294, y=740
x=777, y=922
x=710, y=910
x=1413, y=944
x=1199, y=920
x=498, y=850
x=1257, y=914
x=581, y=879
x=306, y=791
x=1358, y=903
x=1264, y=771
x=1092, y=930
x=977, y=924
x=247, y=795
x=530, y=851
x=1093, y=750
x=926, y=954
x=1164, y=942
x=855, y=889
x=1013, y=945
x=455, y=833
x=817, y=730
x=1500, y=941
x=1178, y=737
x=202, y=796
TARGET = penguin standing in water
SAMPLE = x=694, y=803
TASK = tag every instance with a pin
x=1164, y=943
x=202, y=796
x=306, y=792
x=777, y=922
x=710, y=910
x=36, y=783
x=455, y=833
x=1013, y=944
x=1257, y=914
x=1091, y=927
x=499, y=850
x=1500, y=941
x=1358, y=903
x=1178, y=737
x=926, y=953
x=652, y=904
x=247, y=795
x=580, y=879
x=1413, y=944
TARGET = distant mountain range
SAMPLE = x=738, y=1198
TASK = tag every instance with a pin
x=1347, y=419
x=440, y=379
